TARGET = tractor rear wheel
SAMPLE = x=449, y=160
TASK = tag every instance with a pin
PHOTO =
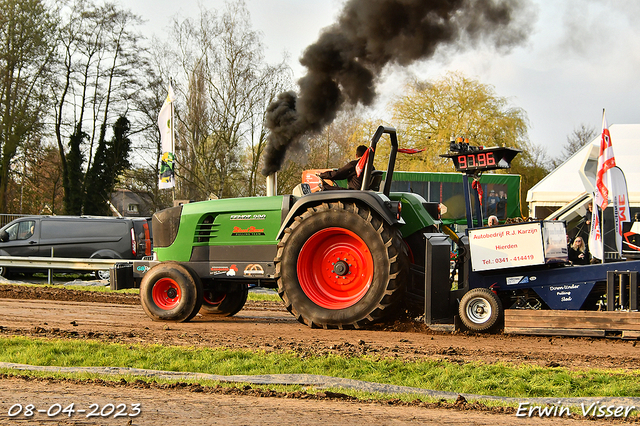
x=480, y=309
x=224, y=304
x=339, y=265
x=171, y=292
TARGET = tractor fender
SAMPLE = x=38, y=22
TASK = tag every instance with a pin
x=106, y=254
x=374, y=200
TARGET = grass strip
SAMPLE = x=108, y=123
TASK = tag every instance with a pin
x=479, y=378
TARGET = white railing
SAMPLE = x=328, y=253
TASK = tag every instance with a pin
x=58, y=263
x=62, y=263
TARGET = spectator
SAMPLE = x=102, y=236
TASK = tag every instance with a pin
x=578, y=253
x=492, y=203
x=584, y=226
x=501, y=209
x=492, y=221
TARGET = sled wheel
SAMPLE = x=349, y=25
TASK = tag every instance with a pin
x=171, y=292
x=480, y=309
x=341, y=266
x=224, y=304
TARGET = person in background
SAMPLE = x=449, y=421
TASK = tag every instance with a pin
x=584, y=226
x=578, y=253
x=348, y=171
x=492, y=204
x=492, y=221
x=501, y=209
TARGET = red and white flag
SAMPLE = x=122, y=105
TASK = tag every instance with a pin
x=363, y=161
x=411, y=150
x=606, y=160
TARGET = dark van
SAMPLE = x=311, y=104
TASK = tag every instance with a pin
x=77, y=237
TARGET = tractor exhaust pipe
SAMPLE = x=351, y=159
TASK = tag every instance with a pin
x=272, y=185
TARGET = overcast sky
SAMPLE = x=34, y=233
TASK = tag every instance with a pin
x=582, y=56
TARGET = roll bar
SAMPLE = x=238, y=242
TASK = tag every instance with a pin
x=366, y=178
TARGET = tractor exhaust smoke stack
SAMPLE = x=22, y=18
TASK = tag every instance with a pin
x=272, y=185
x=343, y=64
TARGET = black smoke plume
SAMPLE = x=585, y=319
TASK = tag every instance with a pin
x=348, y=56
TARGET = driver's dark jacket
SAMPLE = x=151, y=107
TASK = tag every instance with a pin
x=348, y=171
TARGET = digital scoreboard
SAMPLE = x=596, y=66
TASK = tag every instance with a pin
x=475, y=159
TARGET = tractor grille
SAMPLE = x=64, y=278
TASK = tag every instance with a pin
x=206, y=230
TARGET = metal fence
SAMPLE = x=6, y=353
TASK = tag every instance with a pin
x=59, y=263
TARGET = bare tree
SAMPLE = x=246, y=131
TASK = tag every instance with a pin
x=143, y=177
x=223, y=86
x=26, y=31
x=279, y=81
x=39, y=187
x=580, y=136
x=100, y=58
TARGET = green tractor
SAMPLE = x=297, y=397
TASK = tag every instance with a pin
x=339, y=259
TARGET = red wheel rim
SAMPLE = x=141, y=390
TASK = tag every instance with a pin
x=166, y=294
x=335, y=268
x=212, y=298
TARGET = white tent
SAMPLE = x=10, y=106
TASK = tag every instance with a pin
x=577, y=174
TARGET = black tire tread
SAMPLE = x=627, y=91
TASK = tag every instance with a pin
x=396, y=253
x=235, y=303
x=493, y=322
x=183, y=313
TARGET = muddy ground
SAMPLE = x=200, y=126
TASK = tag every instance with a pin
x=267, y=326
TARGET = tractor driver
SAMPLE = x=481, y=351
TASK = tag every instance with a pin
x=348, y=171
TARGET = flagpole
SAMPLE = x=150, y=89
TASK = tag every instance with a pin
x=601, y=225
x=601, y=211
x=606, y=160
x=173, y=146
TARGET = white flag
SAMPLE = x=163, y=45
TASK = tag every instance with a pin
x=595, y=236
x=620, y=197
x=165, y=124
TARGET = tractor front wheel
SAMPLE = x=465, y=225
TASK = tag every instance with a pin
x=171, y=292
x=340, y=265
x=480, y=309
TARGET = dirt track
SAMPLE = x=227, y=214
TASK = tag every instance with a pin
x=268, y=326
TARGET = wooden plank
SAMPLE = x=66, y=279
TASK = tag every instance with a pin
x=554, y=331
x=574, y=323
x=624, y=317
x=630, y=334
x=543, y=324
x=566, y=313
x=517, y=321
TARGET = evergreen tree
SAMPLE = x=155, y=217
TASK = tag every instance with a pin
x=110, y=160
x=72, y=177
